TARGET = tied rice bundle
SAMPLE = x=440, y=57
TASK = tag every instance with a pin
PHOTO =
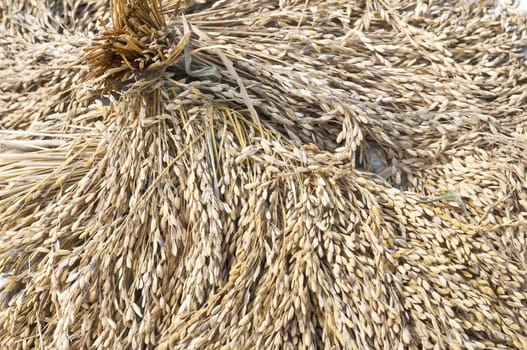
x=262, y=174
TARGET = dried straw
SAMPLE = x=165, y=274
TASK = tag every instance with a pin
x=236, y=175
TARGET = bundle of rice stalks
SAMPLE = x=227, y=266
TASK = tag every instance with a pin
x=262, y=174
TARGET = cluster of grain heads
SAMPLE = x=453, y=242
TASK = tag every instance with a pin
x=260, y=175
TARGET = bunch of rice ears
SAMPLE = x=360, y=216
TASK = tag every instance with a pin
x=180, y=175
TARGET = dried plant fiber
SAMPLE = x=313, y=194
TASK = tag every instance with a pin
x=318, y=174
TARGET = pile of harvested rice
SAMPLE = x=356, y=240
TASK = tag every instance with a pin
x=262, y=174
